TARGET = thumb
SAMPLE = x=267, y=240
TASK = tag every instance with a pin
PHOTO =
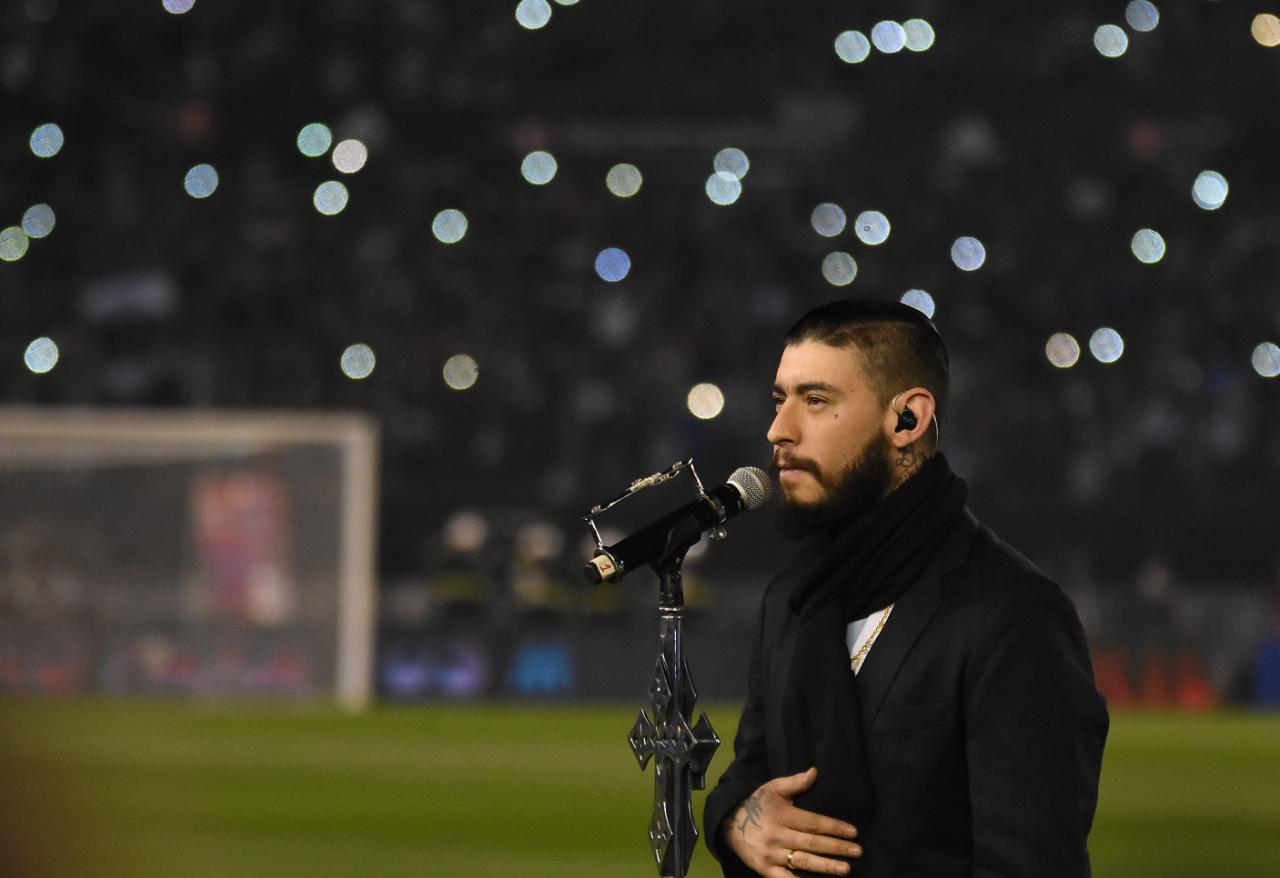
x=795, y=784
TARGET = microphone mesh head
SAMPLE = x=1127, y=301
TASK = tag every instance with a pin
x=753, y=484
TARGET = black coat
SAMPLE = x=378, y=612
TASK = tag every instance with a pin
x=983, y=728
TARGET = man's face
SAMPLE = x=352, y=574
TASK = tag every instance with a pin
x=830, y=447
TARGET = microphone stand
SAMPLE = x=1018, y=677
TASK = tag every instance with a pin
x=681, y=752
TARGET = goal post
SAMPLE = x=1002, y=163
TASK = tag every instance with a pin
x=188, y=552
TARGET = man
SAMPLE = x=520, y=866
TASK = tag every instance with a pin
x=920, y=700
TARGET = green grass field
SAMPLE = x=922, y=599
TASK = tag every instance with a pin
x=168, y=789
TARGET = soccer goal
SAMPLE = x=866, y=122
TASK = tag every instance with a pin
x=191, y=553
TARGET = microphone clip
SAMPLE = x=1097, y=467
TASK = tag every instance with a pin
x=648, y=482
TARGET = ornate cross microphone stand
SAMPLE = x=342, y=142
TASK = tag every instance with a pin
x=681, y=751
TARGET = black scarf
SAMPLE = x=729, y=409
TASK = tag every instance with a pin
x=840, y=576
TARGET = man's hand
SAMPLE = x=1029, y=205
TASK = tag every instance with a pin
x=766, y=829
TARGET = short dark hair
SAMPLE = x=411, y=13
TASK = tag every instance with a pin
x=898, y=346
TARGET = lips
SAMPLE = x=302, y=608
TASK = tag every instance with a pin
x=790, y=469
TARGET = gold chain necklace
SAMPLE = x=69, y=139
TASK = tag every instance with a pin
x=856, y=662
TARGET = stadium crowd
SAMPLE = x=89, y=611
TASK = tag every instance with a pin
x=1049, y=153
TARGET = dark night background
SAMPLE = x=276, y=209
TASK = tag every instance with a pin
x=1012, y=128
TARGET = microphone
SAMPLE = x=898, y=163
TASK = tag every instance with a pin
x=748, y=488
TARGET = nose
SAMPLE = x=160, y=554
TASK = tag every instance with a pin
x=783, y=429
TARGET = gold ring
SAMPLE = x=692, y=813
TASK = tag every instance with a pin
x=790, y=854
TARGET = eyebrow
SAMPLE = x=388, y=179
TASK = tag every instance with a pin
x=809, y=387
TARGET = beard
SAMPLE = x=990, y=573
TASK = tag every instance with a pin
x=850, y=494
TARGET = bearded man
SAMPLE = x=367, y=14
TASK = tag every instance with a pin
x=920, y=697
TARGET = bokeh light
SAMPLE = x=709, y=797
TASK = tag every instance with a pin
x=839, y=269
x=723, y=188
x=613, y=264
x=533, y=14
x=13, y=244
x=331, y=197
x=968, y=253
x=731, y=161
x=39, y=220
x=536, y=542
x=1142, y=15
x=466, y=530
x=178, y=7
x=358, y=362
x=853, y=47
x=828, y=219
x=567, y=2
x=314, y=139
x=624, y=180
x=1209, y=190
x=201, y=181
x=871, y=227
x=41, y=355
x=919, y=34
x=1062, y=350
x=349, y=156
x=920, y=300
x=1148, y=246
x=461, y=372
x=539, y=167
x=449, y=226
x=888, y=37
x=46, y=140
x=1266, y=359
x=705, y=401
x=1266, y=30
x=1106, y=345
x=1111, y=41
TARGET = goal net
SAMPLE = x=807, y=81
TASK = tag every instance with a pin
x=187, y=553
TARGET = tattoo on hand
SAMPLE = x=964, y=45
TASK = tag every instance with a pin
x=748, y=813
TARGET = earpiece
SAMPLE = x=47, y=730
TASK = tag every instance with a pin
x=907, y=421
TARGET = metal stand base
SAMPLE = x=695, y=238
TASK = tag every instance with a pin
x=681, y=752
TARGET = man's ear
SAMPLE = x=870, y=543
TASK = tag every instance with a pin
x=910, y=417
